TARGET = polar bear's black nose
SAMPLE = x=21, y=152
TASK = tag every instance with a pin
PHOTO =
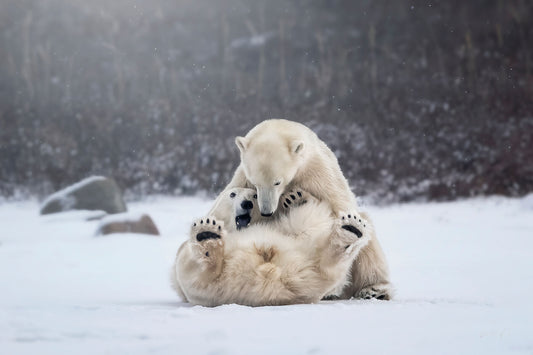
x=247, y=205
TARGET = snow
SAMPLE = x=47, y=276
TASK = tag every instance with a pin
x=122, y=217
x=463, y=273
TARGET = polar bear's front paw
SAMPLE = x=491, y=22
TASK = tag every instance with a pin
x=380, y=291
x=294, y=198
x=207, y=235
x=207, y=228
x=354, y=231
x=354, y=223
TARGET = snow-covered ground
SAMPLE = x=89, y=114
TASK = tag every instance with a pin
x=463, y=273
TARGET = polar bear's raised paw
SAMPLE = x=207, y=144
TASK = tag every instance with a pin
x=354, y=223
x=207, y=228
x=353, y=231
x=207, y=236
x=294, y=198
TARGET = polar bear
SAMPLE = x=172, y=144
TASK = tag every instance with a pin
x=279, y=155
x=301, y=257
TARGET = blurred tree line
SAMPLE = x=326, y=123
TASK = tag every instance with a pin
x=418, y=99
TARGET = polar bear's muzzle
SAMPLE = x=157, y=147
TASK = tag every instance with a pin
x=243, y=214
x=268, y=201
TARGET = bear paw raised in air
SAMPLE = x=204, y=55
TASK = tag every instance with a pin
x=207, y=235
x=354, y=230
x=354, y=223
x=294, y=198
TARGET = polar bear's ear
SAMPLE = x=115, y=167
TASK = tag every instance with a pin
x=297, y=147
x=241, y=143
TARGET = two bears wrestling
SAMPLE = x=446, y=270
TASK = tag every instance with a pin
x=285, y=230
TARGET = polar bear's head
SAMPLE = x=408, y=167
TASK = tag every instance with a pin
x=239, y=206
x=270, y=162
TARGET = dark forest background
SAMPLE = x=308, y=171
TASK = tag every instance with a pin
x=418, y=99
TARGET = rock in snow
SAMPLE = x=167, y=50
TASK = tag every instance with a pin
x=93, y=193
x=127, y=223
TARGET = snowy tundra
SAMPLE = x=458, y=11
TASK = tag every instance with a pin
x=463, y=273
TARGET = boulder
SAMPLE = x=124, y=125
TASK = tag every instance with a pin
x=127, y=223
x=93, y=193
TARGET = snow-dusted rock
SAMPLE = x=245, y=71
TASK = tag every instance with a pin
x=127, y=223
x=93, y=193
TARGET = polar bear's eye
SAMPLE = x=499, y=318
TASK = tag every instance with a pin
x=277, y=183
x=255, y=196
x=232, y=195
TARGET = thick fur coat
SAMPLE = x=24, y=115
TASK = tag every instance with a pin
x=278, y=156
x=301, y=256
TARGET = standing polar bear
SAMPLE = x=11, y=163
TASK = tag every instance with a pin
x=278, y=156
x=302, y=256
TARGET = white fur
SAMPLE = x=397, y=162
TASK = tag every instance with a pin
x=300, y=257
x=226, y=206
x=291, y=154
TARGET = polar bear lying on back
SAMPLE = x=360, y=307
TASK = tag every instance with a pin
x=300, y=257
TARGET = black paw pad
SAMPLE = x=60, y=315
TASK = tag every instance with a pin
x=354, y=230
x=293, y=197
x=206, y=235
x=288, y=201
x=299, y=193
